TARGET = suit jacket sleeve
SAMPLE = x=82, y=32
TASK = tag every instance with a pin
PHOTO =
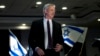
x=58, y=38
x=32, y=36
x=61, y=41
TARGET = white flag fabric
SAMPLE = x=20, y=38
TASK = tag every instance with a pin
x=83, y=36
x=16, y=49
x=71, y=34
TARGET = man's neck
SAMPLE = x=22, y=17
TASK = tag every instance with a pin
x=47, y=18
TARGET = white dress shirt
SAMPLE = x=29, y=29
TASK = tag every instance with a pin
x=45, y=31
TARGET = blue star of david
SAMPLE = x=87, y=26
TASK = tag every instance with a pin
x=66, y=32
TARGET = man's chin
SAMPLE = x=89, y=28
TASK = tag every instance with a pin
x=52, y=17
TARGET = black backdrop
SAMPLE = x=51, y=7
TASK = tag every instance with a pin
x=4, y=43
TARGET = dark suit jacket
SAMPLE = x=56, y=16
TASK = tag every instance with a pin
x=36, y=36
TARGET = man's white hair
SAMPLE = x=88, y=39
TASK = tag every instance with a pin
x=47, y=5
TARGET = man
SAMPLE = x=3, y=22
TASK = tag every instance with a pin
x=46, y=40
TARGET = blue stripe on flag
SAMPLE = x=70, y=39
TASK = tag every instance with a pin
x=70, y=41
x=19, y=47
x=11, y=34
x=77, y=29
x=13, y=53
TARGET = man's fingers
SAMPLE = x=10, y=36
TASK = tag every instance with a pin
x=57, y=47
x=40, y=52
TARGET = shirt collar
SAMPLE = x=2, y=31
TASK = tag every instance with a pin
x=45, y=19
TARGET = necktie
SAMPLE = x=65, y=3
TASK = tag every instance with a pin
x=49, y=36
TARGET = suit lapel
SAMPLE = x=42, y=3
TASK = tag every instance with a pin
x=53, y=28
x=42, y=25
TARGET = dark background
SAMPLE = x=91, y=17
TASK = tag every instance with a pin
x=88, y=49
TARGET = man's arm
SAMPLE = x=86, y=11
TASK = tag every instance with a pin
x=32, y=36
x=59, y=45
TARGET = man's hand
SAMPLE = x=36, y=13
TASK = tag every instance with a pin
x=40, y=52
x=58, y=47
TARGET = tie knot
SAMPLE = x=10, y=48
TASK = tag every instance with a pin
x=47, y=21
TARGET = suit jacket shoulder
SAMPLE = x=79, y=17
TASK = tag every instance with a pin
x=56, y=23
x=37, y=21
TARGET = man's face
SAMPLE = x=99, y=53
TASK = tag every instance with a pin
x=50, y=12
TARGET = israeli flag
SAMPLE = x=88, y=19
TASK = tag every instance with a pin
x=16, y=49
x=71, y=34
